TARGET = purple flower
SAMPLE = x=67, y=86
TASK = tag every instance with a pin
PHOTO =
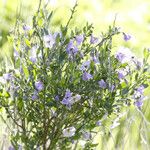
x=69, y=132
x=7, y=76
x=16, y=54
x=81, y=54
x=86, y=76
x=35, y=95
x=102, y=84
x=68, y=94
x=120, y=56
x=138, y=64
x=124, y=55
x=49, y=40
x=11, y=148
x=121, y=74
x=57, y=98
x=79, y=39
x=126, y=36
x=139, y=103
x=140, y=89
x=39, y=86
x=56, y=34
x=71, y=49
x=138, y=93
x=99, y=123
x=67, y=99
x=95, y=59
x=33, y=56
x=112, y=88
x=85, y=65
x=138, y=96
x=33, y=59
x=93, y=40
x=87, y=135
x=26, y=28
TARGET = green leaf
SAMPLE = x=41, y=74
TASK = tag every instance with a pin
x=28, y=43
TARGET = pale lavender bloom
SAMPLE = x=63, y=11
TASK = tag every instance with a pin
x=56, y=34
x=85, y=65
x=33, y=55
x=69, y=132
x=57, y=98
x=81, y=54
x=68, y=94
x=67, y=99
x=126, y=36
x=35, y=95
x=139, y=103
x=86, y=76
x=141, y=89
x=93, y=40
x=124, y=55
x=112, y=88
x=120, y=56
x=139, y=64
x=26, y=27
x=137, y=95
x=71, y=49
x=11, y=148
x=102, y=84
x=16, y=54
x=7, y=76
x=99, y=123
x=39, y=85
x=87, y=135
x=33, y=59
x=49, y=41
x=21, y=70
x=121, y=74
x=95, y=59
x=79, y=39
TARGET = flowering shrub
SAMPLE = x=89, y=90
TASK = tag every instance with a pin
x=61, y=84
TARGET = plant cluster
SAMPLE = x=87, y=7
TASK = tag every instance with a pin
x=61, y=84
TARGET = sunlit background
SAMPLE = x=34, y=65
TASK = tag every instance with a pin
x=132, y=16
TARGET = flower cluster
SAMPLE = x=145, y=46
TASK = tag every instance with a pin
x=69, y=100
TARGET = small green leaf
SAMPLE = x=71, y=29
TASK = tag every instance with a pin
x=28, y=43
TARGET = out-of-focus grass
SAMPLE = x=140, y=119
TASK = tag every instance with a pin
x=132, y=16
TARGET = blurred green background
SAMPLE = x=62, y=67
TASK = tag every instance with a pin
x=131, y=15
